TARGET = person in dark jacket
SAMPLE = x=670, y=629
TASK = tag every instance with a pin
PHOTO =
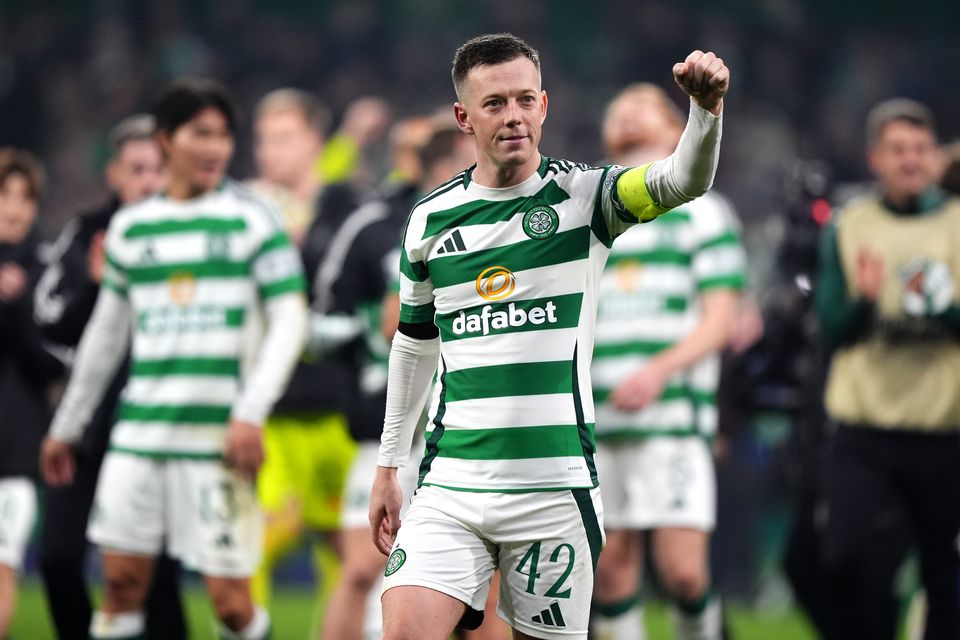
x=63, y=302
x=27, y=367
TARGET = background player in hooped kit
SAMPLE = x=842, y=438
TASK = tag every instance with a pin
x=668, y=299
x=198, y=275
x=508, y=478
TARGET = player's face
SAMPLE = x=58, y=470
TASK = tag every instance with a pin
x=904, y=159
x=137, y=171
x=17, y=208
x=637, y=131
x=504, y=108
x=286, y=147
x=199, y=151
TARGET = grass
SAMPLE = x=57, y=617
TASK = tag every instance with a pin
x=293, y=618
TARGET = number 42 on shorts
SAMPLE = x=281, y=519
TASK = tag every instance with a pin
x=530, y=562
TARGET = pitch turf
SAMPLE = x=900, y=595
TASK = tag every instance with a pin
x=293, y=618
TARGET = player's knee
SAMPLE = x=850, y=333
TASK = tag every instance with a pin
x=232, y=605
x=686, y=581
x=616, y=577
x=360, y=578
x=124, y=588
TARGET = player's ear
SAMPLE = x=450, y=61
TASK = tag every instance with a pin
x=463, y=120
x=543, y=106
x=163, y=141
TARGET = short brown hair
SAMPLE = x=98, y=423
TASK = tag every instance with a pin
x=316, y=113
x=22, y=162
x=492, y=48
x=897, y=110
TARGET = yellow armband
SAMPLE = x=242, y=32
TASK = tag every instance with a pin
x=634, y=196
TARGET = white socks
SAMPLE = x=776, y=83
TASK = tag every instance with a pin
x=118, y=626
x=706, y=624
x=258, y=629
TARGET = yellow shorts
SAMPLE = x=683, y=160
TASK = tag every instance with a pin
x=307, y=461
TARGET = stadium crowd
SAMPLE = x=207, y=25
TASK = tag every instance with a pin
x=762, y=311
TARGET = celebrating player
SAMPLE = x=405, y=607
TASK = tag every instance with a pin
x=192, y=274
x=499, y=274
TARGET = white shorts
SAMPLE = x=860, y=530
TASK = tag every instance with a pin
x=545, y=544
x=356, y=493
x=658, y=481
x=18, y=511
x=206, y=514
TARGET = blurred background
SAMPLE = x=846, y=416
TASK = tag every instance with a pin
x=804, y=74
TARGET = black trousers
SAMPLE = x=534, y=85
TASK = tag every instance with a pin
x=877, y=481
x=63, y=548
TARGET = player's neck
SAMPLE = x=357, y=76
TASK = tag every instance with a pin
x=184, y=190
x=488, y=174
x=307, y=187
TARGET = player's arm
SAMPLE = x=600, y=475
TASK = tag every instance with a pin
x=414, y=354
x=282, y=289
x=652, y=189
x=719, y=309
x=99, y=355
x=843, y=319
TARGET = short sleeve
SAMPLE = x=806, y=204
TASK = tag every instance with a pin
x=275, y=264
x=416, y=288
x=115, y=276
x=719, y=260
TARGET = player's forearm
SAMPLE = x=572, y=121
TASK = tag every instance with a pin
x=278, y=355
x=413, y=363
x=688, y=172
x=102, y=348
x=707, y=338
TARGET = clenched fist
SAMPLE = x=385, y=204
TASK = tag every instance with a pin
x=705, y=78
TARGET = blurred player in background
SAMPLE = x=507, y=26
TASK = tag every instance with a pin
x=207, y=282
x=499, y=269
x=668, y=299
x=426, y=154
x=27, y=367
x=887, y=301
x=63, y=302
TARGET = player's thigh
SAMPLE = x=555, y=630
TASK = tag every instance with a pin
x=129, y=507
x=419, y=613
x=18, y=510
x=216, y=527
x=547, y=575
x=439, y=547
x=363, y=564
x=620, y=565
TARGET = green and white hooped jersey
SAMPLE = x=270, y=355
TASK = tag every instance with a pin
x=510, y=277
x=195, y=274
x=649, y=300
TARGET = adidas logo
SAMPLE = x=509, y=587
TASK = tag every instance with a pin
x=551, y=617
x=453, y=243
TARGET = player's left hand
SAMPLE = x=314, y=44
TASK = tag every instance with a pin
x=640, y=389
x=244, y=452
x=705, y=78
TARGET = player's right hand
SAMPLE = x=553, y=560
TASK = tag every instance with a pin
x=385, y=500
x=57, y=464
x=244, y=452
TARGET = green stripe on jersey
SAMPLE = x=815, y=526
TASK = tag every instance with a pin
x=491, y=211
x=166, y=455
x=557, y=312
x=511, y=443
x=565, y=246
x=735, y=281
x=728, y=239
x=183, y=414
x=186, y=366
x=674, y=216
x=414, y=313
x=655, y=256
x=416, y=271
x=629, y=347
x=204, y=269
x=277, y=241
x=673, y=392
x=203, y=225
x=504, y=380
x=293, y=284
